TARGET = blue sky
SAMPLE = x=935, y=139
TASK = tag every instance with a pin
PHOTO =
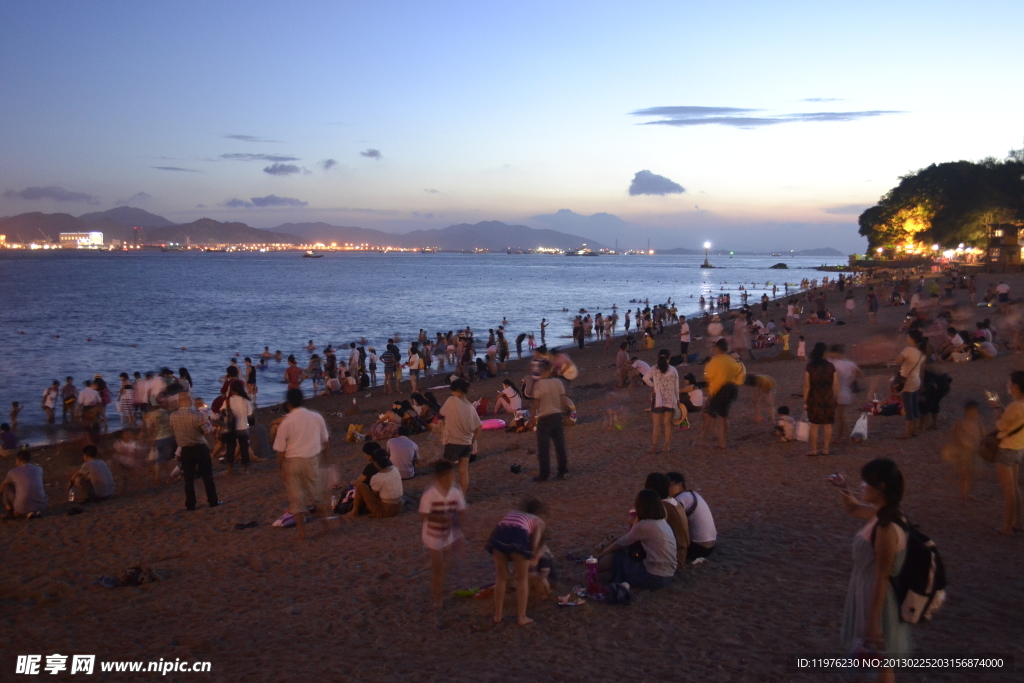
x=437, y=113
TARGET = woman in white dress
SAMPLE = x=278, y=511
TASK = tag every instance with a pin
x=664, y=379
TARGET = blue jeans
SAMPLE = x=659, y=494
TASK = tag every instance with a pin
x=911, y=408
x=635, y=573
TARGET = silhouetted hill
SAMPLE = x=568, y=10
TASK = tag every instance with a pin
x=209, y=231
x=493, y=235
x=128, y=216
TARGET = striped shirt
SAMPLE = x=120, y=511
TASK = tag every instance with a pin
x=522, y=520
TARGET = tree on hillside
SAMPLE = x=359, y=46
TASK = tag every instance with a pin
x=948, y=203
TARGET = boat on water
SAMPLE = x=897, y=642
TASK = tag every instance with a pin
x=582, y=252
x=211, y=250
x=312, y=254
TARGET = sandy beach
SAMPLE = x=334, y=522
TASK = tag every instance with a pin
x=352, y=603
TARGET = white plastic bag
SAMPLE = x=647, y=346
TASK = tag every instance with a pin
x=860, y=430
x=803, y=430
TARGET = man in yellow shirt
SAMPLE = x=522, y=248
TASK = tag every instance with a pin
x=722, y=374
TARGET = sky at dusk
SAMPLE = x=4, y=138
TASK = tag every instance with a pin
x=743, y=122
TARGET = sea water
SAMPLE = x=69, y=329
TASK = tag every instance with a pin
x=80, y=313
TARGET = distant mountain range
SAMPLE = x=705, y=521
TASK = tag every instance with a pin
x=120, y=224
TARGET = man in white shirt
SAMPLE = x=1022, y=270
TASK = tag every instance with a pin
x=403, y=452
x=684, y=338
x=353, y=358
x=301, y=437
x=1003, y=290
x=638, y=370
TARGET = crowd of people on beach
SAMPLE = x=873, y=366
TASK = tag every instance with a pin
x=163, y=422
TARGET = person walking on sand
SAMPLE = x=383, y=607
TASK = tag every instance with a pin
x=300, y=442
x=190, y=428
x=722, y=374
x=821, y=387
x=460, y=428
x=664, y=380
x=516, y=539
x=549, y=401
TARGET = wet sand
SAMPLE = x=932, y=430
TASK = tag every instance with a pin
x=352, y=602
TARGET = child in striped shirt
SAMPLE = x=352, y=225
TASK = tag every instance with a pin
x=440, y=507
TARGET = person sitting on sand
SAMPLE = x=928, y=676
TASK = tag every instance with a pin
x=22, y=490
x=649, y=528
x=332, y=387
x=508, y=399
x=93, y=477
x=698, y=517
x=440, y=509
x=370, y=448
x=386, y=426
x=382, y=496
x=516, y=539
x=674, y=515
x=403, y=452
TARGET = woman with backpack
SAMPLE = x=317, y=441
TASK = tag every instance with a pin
x=871, y=618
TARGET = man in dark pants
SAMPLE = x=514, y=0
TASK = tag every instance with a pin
x=548, y=405
x=190, y=429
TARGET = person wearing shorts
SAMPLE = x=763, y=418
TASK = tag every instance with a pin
x=460, y=427
x=300, y=441
x=722, y=373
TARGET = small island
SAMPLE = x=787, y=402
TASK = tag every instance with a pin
x=780, y=266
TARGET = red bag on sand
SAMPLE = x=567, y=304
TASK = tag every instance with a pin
x=481, y=407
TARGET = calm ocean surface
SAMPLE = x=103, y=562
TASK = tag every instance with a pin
x=139, y=309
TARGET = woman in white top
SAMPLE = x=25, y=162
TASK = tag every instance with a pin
x=414, y=364
x=911, y=361
x=241, y=408
x=847, y=373
x=664, y=379
x=1011, y=448
x=508, y=399
x=715, y=330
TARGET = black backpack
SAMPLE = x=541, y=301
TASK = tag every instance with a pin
x=920, y=585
